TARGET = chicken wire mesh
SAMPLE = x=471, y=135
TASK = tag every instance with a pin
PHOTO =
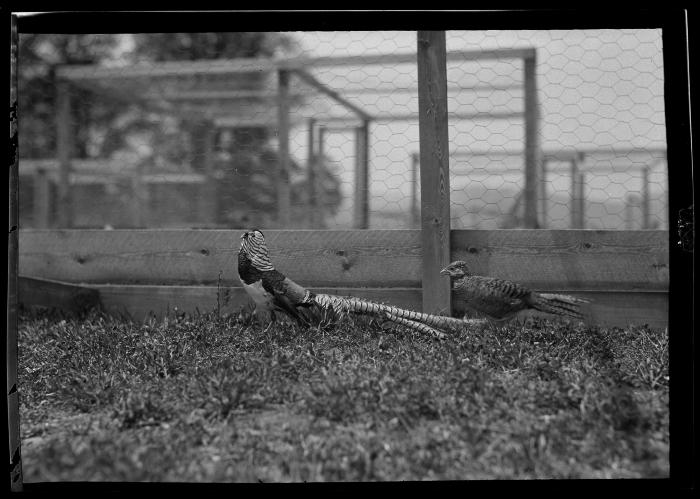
x=202, y=130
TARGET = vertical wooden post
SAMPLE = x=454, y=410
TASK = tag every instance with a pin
x=415, y=211
x=64, y=152
x=312, y=205
x=42, y=193
x=543, y=194
x=645, y=198
x=575, y=205
x=282, y=177
x=320, y=191
x=207, y=201
x=361, y=204
x=532, y=142
x=15, y=455
x=581, y=223
x=434, y=170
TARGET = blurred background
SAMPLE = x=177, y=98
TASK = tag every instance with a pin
x=199, y=130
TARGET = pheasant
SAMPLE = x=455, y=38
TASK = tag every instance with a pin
x=271, y=290
x=500, y=299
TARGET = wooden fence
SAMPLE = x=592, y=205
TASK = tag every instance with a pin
x=139, y=272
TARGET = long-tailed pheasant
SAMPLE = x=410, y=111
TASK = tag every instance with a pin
x=270, y=290
x=500, y=299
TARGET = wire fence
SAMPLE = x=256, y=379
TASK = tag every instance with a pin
x=547, y=129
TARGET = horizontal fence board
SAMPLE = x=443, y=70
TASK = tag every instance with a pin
x=541, y=259
x=51, y=294
x=141, y=301
x=607, y=308
x=635, y=260
x=368, y=258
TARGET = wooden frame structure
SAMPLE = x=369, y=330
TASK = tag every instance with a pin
x=116, y=82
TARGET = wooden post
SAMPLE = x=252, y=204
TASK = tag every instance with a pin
x=282, y=177
x=361, y=204
x=15, y=454
x=320, y=191
x=312, y=205
x=543, y=194
x=434, y=170
x=64, y=152
x=415, y=211
x=42, y=198
x=581, y=224
x=645, y=198
x=574, y=193
x=631, y=202
x=532, y=145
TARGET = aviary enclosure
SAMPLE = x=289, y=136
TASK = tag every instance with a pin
x=369, y=159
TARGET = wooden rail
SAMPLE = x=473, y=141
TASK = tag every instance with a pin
x=626, y=273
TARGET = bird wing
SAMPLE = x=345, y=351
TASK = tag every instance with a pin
x=496, y=298
x=281, y=289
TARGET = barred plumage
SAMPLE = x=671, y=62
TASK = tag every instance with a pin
x=500, y=299
x=271, y=291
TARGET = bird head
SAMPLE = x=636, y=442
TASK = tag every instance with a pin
x=253, y=235
x=456, y=269
x=253, y=246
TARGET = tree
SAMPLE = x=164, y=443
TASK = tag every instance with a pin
x=38, y=57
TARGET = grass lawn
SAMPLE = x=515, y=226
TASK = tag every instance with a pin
x=211, y=399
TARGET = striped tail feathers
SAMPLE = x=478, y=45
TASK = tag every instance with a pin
x=418, y=326
x=559, y=304
x=351, y=304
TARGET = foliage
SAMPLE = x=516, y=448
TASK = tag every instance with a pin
x=221, y=399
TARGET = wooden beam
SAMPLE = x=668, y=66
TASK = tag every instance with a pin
x=303, y=75
x=361, y=197
x=434, y=170
x=532, y=143
x=45, y=293
x=140, y=302
x=12, y=390
x=372, y=258
x=64, y=153
x=542, y=259
x=451, y=89
x=252, y=65
x=283, y=188
x=607, y=308
x=594, y=260
x=415, y=117
x=567, y=155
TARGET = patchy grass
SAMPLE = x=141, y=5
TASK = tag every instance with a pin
x=211, y=399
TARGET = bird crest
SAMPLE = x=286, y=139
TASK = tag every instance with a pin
x=253, y=246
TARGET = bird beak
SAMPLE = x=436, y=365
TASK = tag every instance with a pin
x=445, y=271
